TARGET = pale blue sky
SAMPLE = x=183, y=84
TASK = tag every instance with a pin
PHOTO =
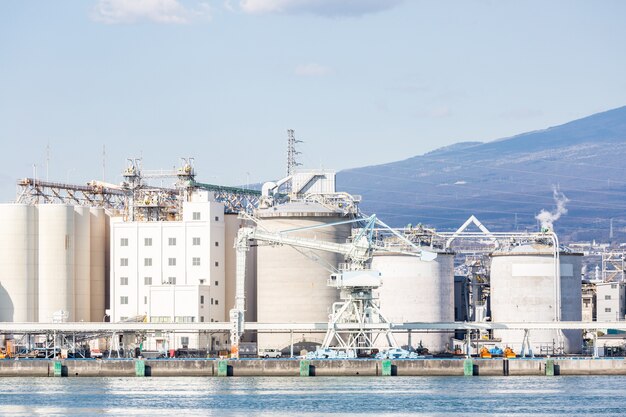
x=361, y=81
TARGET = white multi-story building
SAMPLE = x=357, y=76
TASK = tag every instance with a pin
x=610, y=303
x=171, y=271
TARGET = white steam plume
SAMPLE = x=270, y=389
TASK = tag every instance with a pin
x=547, y=218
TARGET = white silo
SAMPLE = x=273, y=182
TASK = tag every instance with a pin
x=291, y=286
x=82, y=260
x=523, y=289
x=18, y=263
x=417, y=291
x=56, y=260
x=97, y=262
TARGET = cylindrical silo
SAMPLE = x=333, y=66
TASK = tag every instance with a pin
x=82, y=261
x=56, y=261
x=417, y=291
x=292, y=284
x=523, y=289
x=98, y=247
x=18, y=263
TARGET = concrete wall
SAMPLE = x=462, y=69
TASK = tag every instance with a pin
x=360, y=367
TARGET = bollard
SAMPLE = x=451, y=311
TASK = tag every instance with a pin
x=140, y=367
x=58, y=368
x=386, y=367
x=305, y=367
x=550, y=367
x=222, y=368
x=468, y=367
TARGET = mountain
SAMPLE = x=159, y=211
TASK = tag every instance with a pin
x=507, y=182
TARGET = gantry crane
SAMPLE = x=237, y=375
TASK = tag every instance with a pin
x=356, y=322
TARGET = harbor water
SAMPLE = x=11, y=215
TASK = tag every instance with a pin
x=336, y=396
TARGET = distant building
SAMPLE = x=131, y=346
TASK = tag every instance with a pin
x=610, y=301
x=588, y=301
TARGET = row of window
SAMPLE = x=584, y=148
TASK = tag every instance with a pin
x=170, y=241
x=124, y=300
x=197, y=216
x=148, y=281
x=170, y=262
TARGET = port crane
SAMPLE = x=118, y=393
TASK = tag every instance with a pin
x=355, y=322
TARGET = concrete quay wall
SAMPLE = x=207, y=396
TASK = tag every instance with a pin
x=312, y=368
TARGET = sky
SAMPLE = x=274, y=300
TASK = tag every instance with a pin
x=362, y=82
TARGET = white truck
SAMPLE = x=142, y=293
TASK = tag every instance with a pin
x=270, y=353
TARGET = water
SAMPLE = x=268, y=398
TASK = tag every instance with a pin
x=337, y=396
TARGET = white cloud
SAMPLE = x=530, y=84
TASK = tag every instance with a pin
x=327, y=8
x=313, y=70
x=158, y=11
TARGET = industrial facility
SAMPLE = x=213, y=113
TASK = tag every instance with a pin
x=295, y=267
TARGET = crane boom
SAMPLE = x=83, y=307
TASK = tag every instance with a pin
x=355, y=276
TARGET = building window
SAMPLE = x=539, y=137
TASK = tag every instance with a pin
x=201, y=281
x=613, y=286
x=607, y=297
x=171, y=261
x=211, y=301
x=196, y=215
x=217, y=219
x=202, y=299
x=196, y=241
x=211, y=320
x=147, y=241
x=145, y=299
x=124, y=299
x=147, y=262
x=217, y=301
x=217, y=243
x=201, y=319
x=171, y=241
x=123, y=280
x=607, y=310
x=123, y=261
x=217, y=283
x=184, y=340
x=195, y=262
x=124, y=241
x=185, y=319
x=147, y=280
x=171, y=280
x=217, y=263
x=160, y=319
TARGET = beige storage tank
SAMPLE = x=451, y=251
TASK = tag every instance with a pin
x=417, y=291
x=523, y=290
x=18, y=263
x=291, y=287
x=56, y=261
x=82, y=261
x=98, y=248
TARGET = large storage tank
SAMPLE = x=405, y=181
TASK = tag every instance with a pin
x=523, y=289
x=82, y=261
x=98, y=248
x=291, y=286
x=56, y=260
x=18, y=263
x=417, y=291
